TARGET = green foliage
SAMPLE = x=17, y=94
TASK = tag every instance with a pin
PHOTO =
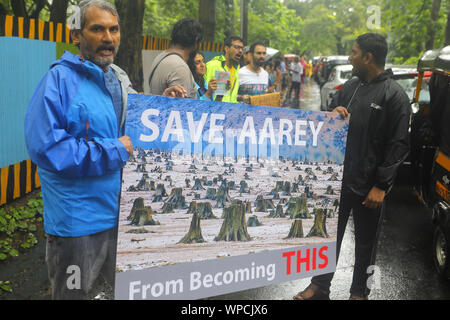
x=18, y=227
x=5, y=287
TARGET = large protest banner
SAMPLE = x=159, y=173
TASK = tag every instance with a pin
x=222, y=197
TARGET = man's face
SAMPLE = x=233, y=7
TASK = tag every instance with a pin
x=235, y=51
x=259, y=56
x=356, y=60
x=100, y=38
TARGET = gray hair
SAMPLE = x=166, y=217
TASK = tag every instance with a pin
x=101, y=4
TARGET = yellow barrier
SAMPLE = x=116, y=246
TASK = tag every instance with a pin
x=270, y=100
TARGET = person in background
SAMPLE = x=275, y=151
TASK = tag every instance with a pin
x=197, y=65
x=253, y=79
x=228, y=62
x=247, y=58
x=297, y=71
x=170, y=67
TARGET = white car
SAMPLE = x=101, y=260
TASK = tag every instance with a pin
x=338, y=76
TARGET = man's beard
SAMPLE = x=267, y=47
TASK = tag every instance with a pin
x=99, y=61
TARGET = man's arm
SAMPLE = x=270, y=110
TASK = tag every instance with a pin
x=52, y=148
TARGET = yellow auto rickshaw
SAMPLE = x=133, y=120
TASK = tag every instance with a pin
x=430, y=150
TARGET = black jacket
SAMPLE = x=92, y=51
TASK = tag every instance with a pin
x=378, y=139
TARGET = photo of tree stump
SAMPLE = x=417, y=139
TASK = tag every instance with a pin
x=160, y=193
x=278, y=213
x=298, y=208
x=194, y=234
x=260, y=204
x=176, y=199
x=144, y=217
x=253, y=222
x=222, y=197
x=138, y=203
x=234, y=227
x=211, y=193
x=243, y=187
x=205, y=211
x=198, y=185
x=248, y=207
x=287, y=188
x=296, y=229
x=319, y=229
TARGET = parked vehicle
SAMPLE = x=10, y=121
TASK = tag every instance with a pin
x=328, y=65
x=338, y=76
x=430, y=150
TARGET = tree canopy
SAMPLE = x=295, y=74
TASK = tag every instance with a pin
x=311, y=27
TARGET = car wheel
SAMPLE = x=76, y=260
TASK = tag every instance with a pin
x=441, y=251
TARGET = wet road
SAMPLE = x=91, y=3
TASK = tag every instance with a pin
x=404, y=257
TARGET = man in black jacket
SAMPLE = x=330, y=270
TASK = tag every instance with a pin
x=377, y=144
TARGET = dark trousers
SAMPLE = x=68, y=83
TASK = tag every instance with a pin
x=367, y=224
x=74, y=264
x=296, y=87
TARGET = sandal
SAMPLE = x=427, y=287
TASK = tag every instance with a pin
x=313, y=292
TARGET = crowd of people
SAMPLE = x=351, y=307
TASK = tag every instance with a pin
x=74, y=131
x=249, y=71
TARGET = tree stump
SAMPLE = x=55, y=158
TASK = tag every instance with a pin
x=144, y=217
x=167, y=208
x=222, y=197
x=243, y=187
x=253, y=222
x=160, y=193
x=211, y=193
x=198, y=185
x=298, y=208
x=260, y=204
x=137, y=204
x=205, y=211
x=194, y=234
x=234, y=227
x=296, y=230
x=287, y=188
x=319, y=229
x=278, y=213
x=176, y=199
x=248, y=207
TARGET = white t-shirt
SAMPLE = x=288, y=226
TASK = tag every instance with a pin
x=253, y=84
x=297, y=77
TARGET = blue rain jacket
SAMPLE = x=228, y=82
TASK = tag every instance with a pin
x=71, y=132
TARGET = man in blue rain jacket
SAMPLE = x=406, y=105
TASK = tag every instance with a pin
x=74, y=131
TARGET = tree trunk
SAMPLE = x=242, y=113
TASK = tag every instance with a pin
x=234, y=227
x=435, y=9
x=207, y=18
x=296, y=229
x=19, y=9
x=298, y=208
x=58, y=11
x=194, y=234
x=229, y=27
x=129, y=58
x=40, y=5
x=319, y=228
x=447, y=30
x=176, y=199
x=244, y=20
